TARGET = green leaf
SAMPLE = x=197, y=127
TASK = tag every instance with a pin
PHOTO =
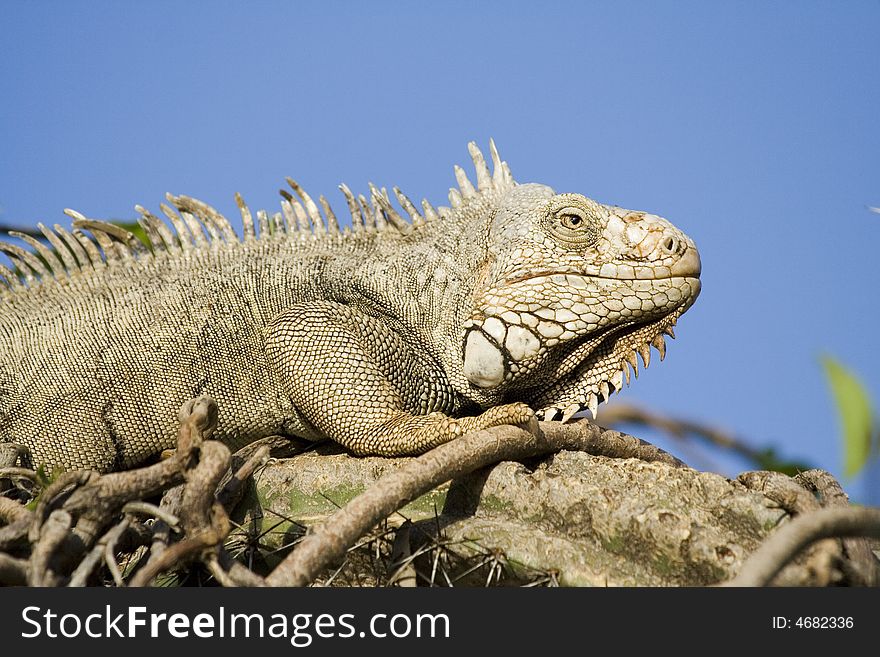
x=856, y=414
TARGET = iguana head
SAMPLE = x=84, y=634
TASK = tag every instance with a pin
x=571, y=290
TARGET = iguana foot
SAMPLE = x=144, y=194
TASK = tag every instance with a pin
x=405, y=434
x=516, y=413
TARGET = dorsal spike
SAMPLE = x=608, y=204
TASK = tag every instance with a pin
x=310, y=207
x=8, y=279
x=25, y=274
x=49, y=257
x=114, y=240
x=332, y=221
x=247, y=219
x=209, y=215
x=191, y=216
x=94, y=254
x=497, y=173
x=302, y=217
x=467, y=189
x=318, y=226
x=411, y=210
x=183, y=233
x=454, y=197
x=379, y=219
x=199, y=228
x=501, y=176
x=30, y=266
x=289, y=215
x=64, y=251
x=112, y=250
x=506, y=175
x=430, y=212
x=263, y=220
x=369, y=216
x=195, y=226
x=164, y=239
x=153, y=236
x=278, y=224
x=384, y=207
x=74, y=245
x=484, y=178
x=357, y=219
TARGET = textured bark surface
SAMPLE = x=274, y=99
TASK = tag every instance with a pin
x=589, y=520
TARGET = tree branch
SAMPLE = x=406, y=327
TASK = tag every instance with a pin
x=330, y=540
x=780, y=548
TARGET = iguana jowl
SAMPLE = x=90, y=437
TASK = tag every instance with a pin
x=390, y=337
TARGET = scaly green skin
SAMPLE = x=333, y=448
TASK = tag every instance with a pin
x=389, y=338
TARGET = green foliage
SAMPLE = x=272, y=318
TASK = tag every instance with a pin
x=43, y=480
x=857, y=417
x=769, y=459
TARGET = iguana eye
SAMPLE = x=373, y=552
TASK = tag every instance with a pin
x=573, y=226
x=571, y=218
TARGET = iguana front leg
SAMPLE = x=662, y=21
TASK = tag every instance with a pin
x=360, y=384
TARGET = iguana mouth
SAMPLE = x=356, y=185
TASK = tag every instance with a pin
x=686, y=266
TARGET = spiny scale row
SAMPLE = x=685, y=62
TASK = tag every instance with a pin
x=198, y=225
x=605, y=388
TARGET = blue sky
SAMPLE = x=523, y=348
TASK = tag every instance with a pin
x=752, y=126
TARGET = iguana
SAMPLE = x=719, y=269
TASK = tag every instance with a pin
x=389, y=337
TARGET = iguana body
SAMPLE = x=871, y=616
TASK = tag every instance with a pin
x=390, y=337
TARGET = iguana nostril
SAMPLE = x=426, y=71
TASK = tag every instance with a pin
x=670, y=244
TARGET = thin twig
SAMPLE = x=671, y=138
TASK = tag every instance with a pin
x=152, y=511
x=232, y=490
x=20, y=473
x=83, y=571
x=110, y=551
x=174, y=555
x=218, y=572
x=238, y=573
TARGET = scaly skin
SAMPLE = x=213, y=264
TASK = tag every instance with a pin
x=390, y=338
